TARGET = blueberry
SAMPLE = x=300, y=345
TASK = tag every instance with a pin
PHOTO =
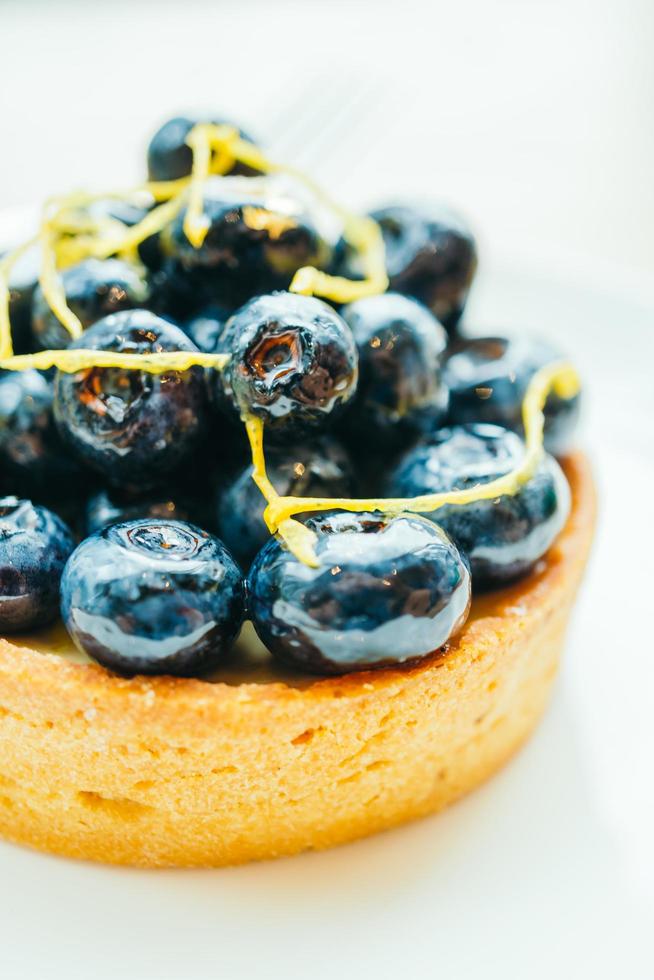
x=293, y=362
x=388, y=591
x=34, y=546
x=114, y=506
x=260, y=232
x=22, y=284
x=504, y=537
x=93, y=290
x=131, y=426
x=153, y=597
x=34, y=461
x=319, y=469
x=206, y=327
x=400, y=392
x=169, y=158
x=488, y=378
x=430, y=254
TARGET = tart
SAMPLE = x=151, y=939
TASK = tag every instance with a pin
x=170, y=771
x=398, y=646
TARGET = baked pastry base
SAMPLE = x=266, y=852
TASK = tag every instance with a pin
x=169, y=772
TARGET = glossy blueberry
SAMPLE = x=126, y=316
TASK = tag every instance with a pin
x=131, y=426
x=34, y=546
x=22, y=284
x=260, y=232
x=33, y=459
x=153, y=597
x=206, y=327
x=430, y=254
x=387, y=591
x=293, y=362
x=168, y=155
x=400, y=391
x=115, y=506
x=504, y=537
x=488, y=378
x=93, y=290
x=20, y=317
x=317, y=469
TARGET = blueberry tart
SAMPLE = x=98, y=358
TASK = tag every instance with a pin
x=286, y=557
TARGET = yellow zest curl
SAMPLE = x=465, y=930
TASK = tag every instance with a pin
x=66, y=237
x=560, y=378
x=298, y=538
x=212, y=154
x=51, y=285
x=215, y=148
x=70, y=361
x=124, y=241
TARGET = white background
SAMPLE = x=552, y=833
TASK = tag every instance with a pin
x=536, y=118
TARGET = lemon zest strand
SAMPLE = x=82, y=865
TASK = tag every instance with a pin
x=122, y=240
x=559, y=377
x=51, y=284
x=362, y=233
x=215, y=149
x=154, y=222
x=254, y=429
x=299, y=538
x=72, y=222
x=196, y=222
x=203, y=138
x=125, y=242
x=72, y=360
x=82, y=240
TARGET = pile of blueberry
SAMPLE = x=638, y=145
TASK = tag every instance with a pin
x=151, y=474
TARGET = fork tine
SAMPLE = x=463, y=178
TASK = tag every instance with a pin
x=326, y=127
x=290, y=125
x=339, y=139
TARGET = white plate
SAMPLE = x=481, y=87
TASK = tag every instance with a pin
x=547, y=871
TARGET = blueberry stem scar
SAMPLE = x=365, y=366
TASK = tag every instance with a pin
x=559, y=377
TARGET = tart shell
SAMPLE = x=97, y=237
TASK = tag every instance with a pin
x=175, y=772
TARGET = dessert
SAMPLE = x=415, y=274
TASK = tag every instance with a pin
x=256, y=405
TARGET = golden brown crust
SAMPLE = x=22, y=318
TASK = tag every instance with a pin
x=164, y=771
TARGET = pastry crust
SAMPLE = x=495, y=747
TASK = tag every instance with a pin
x=176, y=772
